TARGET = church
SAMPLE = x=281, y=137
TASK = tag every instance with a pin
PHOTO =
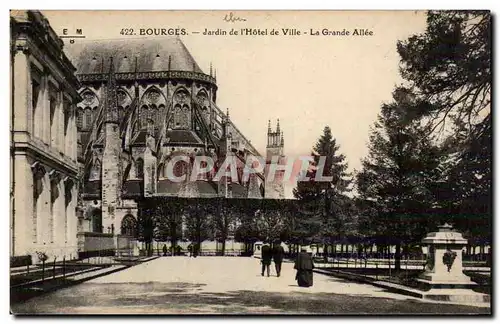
x=146, y=101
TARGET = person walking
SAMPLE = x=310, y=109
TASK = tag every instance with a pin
x=278, y=254
x=267, y=255
x=304, y=266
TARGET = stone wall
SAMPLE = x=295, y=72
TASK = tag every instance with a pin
x=93, y=244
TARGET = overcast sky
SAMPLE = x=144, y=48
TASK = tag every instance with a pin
x=306, y=81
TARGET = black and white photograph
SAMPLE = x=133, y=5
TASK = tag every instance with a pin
x=250, y=162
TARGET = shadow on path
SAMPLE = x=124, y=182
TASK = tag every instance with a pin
x=189, y=298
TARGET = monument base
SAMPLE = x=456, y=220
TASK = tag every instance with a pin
x=456, y=295
x=434, y=280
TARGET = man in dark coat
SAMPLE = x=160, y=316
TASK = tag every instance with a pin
x=304, y=266
x=196, y=250
x=267, y=255
x=278, y=254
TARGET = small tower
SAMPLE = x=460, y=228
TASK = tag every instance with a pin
x=275, y=142
x=224, y=187
x=274, y=188
x=111, y=155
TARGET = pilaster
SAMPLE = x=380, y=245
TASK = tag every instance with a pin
x=21, y=86
x=23, y=206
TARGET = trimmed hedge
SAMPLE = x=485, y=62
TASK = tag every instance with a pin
x=19, y=261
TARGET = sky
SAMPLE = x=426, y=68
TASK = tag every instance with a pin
x=307, y=81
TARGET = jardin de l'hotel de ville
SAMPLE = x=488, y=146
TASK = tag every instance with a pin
x=135, y=191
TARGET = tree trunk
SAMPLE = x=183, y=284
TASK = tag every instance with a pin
x=173, y=244
x=397, y=257
x=223, y=246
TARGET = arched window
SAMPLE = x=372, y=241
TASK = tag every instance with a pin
x=87, y=124
x=35, y=92
x=151, y=127
x=129, y=226
x=95, y=172
x=182, y=112
x=96, y=221
x=153, y=114
x=79, y=119
x=139, y=169
x=161, y=109
x=144, y=116
x=53, y=120
x=120, y=114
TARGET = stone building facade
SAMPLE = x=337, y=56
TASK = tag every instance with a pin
x=44, y=167
x=146, y=101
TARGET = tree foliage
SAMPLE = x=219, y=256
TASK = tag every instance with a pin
x=398, y=176
x=449, y=68
x=323, y=205
x=197, y=221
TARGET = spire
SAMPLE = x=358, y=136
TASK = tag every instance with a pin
x=169, y=62
x=278, y=126
x=282, y=139
x=111, y=101
x=227, y=113
x=210, y=68
x=269, y=127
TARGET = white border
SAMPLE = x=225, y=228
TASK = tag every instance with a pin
x=190, y=5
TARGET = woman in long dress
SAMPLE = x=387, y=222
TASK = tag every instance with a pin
x=304, y=266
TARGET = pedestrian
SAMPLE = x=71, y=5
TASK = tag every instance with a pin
x=278, y=254
x=196, y=250
x=304, y=266
x=267, y=255
x=190, y=249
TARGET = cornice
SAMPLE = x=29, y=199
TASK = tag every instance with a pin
x=35, y=36
x=158, y=75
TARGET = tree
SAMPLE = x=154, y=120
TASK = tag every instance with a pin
x=223, y=218
x=467, y=190
x=246, y=232
x=145, y=227
x=449, y=67
x=325, y=202
x=270, y=224
x=167, y=217
x=397, y=176
x=197, y=222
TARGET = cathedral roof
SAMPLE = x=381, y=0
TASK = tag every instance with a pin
x=181, y=136
x=174, y=136
x=153, y=54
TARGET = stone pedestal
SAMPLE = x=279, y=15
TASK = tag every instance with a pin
x=444, y=259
